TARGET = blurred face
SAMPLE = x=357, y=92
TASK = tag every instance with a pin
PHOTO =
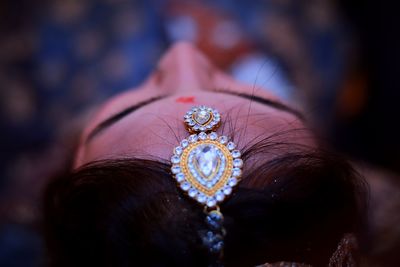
x=147, y=122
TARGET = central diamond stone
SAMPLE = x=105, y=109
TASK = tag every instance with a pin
x=202, y=116
x=207, y=161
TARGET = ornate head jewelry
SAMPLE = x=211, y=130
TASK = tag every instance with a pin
x=207, y=167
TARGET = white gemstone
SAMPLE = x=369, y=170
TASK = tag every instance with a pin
x=201, y=198
x=176, y=169
x=211, y=202
x=191, y=122
x=227, y=190
x=178, y=150
x=202, y=128
x=196, y=127
x=236, y=153
x=238, y=163
x=193, y=138
x=192, y=192
x=209, y=126
x=209, y=184
x=185, y=186
x=223, y=139
x=231, y=146
x=220, y=196
x=180, y=177
x=207, y=160
x=184, y=143
x=202, y=116
x=175, y=159
x=213, y=136
x=202, y=136
x=236, y=172
x=232, y=182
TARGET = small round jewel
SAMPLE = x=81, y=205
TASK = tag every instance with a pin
x=232, y=181
x=209, y=126
x=211, y=202
x=214, y=220
x=236, y=153
x=236, y=172
x=201, y=198
x=213, y=136
x=238, y=163
x=176, y=169
x=209, y=184
x=185, y=186
x=175, y=159
x=227, y=190
x=202, y=135
x=196, y=127
x=223, y=139
x=192, y=192
x=178, y=150
x=180, y=177
x=220, y=196
x=216, y=215
x=184, y=143
x=191, y=123
x=231, y=146
x=217, y=247
x=193, y=138
x=202, y=128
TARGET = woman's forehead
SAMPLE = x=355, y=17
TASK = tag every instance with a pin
x=155, y=129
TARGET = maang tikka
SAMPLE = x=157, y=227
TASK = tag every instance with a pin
x=207, y=167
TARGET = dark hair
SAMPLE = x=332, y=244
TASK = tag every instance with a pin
x=295, y=206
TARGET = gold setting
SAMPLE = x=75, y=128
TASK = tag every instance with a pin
x=193, y=125
x=193, y=181
x=206, y=166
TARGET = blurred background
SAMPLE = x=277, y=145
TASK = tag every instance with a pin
x=336, y=60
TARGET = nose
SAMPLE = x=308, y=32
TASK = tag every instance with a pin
x=184, y=68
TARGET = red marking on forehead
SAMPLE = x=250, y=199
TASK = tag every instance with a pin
x=185, y=99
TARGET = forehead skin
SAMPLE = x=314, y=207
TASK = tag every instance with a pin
x=155, y=129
